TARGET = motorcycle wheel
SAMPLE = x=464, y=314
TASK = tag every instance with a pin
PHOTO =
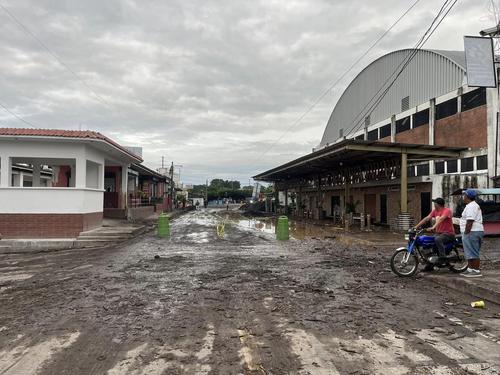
x=403, y=263
x=460, y=266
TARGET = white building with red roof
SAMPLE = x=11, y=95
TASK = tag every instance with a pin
x=82, y=166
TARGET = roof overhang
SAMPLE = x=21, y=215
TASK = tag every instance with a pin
x=354, y=153
x=116, y=152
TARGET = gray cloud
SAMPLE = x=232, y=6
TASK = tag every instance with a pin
x=208, y=84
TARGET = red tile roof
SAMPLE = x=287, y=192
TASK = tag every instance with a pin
x=83, y=134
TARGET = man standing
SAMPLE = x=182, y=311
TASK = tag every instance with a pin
x=471, y=226
x=443, y=227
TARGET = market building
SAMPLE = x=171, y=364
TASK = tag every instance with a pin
x=387, y=155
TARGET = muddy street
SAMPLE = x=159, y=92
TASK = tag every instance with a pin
x=198, y=304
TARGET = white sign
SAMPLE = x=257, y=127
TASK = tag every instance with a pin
x=479, y=61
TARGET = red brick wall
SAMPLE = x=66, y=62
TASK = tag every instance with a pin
x=92, y=220
x=47, y=225
x=418, y=135
x=386, y=139
x=466, y=129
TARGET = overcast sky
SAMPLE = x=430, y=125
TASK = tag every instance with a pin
x=210, y=85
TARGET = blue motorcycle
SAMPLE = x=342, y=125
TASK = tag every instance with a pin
x=422, y=248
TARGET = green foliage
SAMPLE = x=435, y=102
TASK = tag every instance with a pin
x=220, y=189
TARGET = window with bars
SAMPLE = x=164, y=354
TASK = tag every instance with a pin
x=421, y=118
x=405, y=103
x=403, y=125
x=467, y=164
x=423, y=169
x=385, y=131
x=439, y=167
x=482, y=162
x=373, y=135
x=452, y=166
x=473, y=99
x=446, y=109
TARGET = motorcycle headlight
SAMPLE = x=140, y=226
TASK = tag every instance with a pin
x=407, y=237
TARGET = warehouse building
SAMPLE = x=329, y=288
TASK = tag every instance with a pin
x=388, y=149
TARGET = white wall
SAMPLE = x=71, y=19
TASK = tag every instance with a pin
x=54, y=150
x=93, y=175
x=50, y=200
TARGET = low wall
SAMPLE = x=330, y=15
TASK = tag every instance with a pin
x=47, y=225
x=115, y=213
x=137, y=213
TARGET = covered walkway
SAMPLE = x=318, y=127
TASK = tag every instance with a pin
x=328, y=181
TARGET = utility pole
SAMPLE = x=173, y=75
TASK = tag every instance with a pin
x=206, y=193
x=172, y=188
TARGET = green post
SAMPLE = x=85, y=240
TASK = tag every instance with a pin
x=163, y=225
x=282, y=233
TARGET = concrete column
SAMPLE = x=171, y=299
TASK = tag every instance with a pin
x=123, y=186
x=21, y=179
x=36, y=174
x=492, y=100
x=299, y=202
x=80, y=172
x=286, y=201
x=5, y=171
x=432, y=120
x=319, y=203
x=460, y=92
x=393, y=128
x=404, y=183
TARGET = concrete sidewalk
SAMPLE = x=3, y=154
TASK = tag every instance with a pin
x=481, y=288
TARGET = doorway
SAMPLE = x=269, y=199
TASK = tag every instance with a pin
x=425, y=204
x=371, y=205
x=383, y=208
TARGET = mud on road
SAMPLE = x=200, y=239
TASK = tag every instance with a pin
x=245, y=304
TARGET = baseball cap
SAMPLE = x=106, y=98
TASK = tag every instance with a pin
x=439, y=201
x=470, y=193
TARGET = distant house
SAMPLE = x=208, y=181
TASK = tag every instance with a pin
x=58, y=183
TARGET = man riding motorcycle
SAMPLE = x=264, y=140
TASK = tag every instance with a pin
x=443, y=227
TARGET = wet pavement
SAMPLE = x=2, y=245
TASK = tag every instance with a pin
x=244, y=304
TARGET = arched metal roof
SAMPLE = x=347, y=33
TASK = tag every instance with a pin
x=430, y=74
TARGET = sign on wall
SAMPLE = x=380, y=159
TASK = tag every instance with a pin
x=479, y=58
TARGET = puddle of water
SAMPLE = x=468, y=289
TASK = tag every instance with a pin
x=298, y=230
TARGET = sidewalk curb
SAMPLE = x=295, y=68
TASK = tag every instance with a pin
x=467, y=286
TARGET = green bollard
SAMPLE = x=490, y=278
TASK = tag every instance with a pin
x=282, y=233
x=163, y=225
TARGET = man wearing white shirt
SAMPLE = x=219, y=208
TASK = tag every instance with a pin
x=471, y=227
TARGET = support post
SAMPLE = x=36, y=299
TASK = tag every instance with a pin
x=319, y=203
x=124, y=186
x=368, y=222
x=80, y=172
x=5, y=171
x=393, y=128
x=404, y=183
x=286, y=201
x=36, y=174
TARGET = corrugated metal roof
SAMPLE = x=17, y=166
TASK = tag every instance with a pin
x=431, y=73
x=59, y=133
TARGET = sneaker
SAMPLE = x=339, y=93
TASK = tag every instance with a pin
x=470, y=272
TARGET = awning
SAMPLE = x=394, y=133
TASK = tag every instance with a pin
x=353, y=153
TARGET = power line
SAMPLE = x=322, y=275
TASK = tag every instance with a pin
x=332, y=86
x=49, y=51
x=446, y=8
x=17, y=116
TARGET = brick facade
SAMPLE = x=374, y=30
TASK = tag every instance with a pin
x=417, y=135
x=465, y=129
x=47, y=225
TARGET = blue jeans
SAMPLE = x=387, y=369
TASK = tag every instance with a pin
x=472, y=244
